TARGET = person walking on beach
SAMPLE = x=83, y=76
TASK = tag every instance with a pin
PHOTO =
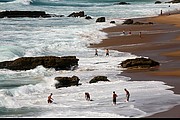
x=114, y=98
x=87, y=96
x=50, y=99
x=107, y=52
x=96, y=52
x=127, y=95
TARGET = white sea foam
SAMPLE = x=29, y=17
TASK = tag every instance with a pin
x=24, y=2
x=71, y=99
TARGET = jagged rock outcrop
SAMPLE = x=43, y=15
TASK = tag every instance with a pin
x=88, y=17
x=77, y=14
x=27, y=63
x=101, y=19
x=66, y=81
x=139, y=63
x=98, y=78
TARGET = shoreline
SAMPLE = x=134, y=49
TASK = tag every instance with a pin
x=160, y=41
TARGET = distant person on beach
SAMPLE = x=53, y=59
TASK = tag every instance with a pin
x=140, y=34
x=123, y=32
x=87, y=96
x=129, y=32
x=96, y=52
x=161, y=12
x=50, y=99
x=114, y=97
x=127, y=94
x=107, y=52
x=169, y=12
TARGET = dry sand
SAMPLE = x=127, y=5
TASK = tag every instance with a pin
x=160, y=41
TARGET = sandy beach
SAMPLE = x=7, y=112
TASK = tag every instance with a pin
x=159, y=41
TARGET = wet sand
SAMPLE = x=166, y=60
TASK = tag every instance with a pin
x=160, y=41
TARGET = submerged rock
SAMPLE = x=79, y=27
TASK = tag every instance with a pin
x=101, y=19
x=122, y=3
x=67, y=81
x=98, y=78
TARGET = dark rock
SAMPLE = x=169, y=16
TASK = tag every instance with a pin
x=122, y=3
x=128, y=21
x=138, y=23
x=98, y=78
x=173, y=1
x=141, y=23
x=101, y=19
x=77, y=14
x=27, y=63
x=139, y=63
x=88, y=17
x=54, y=15
x=132, y=22
x=158, y=2
x=67, y=81
x=113, y=22
x=33, y=14
x=150, y=23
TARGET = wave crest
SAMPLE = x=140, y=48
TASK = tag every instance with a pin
x=25, y=2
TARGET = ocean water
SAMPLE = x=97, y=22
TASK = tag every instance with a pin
x=24, y=93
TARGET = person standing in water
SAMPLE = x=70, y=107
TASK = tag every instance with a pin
x=96, y=52
x=127, y=94
x=87, y=96
x=107, y=52
x=114, y=97
x=50, y=99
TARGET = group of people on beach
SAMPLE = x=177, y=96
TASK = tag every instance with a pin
x=114, y=96
x=106, y=52
x=88, y=97
x=129, y=33
x=124, y=33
